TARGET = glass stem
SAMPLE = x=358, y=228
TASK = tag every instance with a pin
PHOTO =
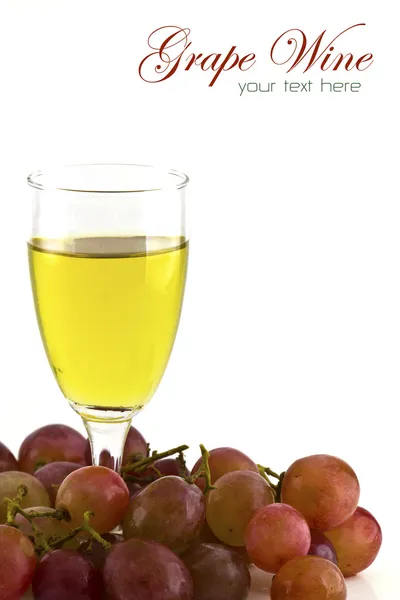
x=107, y=441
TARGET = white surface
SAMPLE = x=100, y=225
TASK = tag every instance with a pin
x=289, y=340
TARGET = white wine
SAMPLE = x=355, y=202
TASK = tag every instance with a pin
x=108, y=310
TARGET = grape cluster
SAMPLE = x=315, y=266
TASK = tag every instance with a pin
x=184, y=535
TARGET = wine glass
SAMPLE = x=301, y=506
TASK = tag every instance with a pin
x=108, y=257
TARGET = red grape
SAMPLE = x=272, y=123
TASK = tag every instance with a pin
x=9, y=483
x=53, y=474
x=164, y=466
x=322, y=547
x=206, y=536
x=241, y=550
x=169, y=511
x=308, y=577
x=218, y=573
x=146, y=570
x=17, y=563
x=49, y=526
x=323, y=488
x=276, y=534
x=171, y=466
x=96, y=489
x=52, y=443
x=66, y=575
x=222, y=461
x=7, y=459
x=95, y=551
x=357, y=542
x=134, y=488
x=135, y=444
x=233, y=502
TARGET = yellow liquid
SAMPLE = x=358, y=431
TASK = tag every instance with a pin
x=108, y=311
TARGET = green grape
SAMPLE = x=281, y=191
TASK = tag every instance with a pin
x=233, y=502
x=9, y=483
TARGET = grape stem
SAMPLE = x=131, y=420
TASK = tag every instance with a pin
x=143, y=463
x=182, y=463
x=14, y=505
x=14, y=508
x=203, y=471
x=266, y=473
x=279, y=487
x=41, y=545
x=59, y=542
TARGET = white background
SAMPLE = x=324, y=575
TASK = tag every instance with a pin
x=289, y=338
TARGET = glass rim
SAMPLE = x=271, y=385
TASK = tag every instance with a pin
x=33, y=179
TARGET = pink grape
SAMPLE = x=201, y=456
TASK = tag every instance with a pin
x=233, y=502
x=323, y=488
x=53, y=474
x=50, y=444
x=308, y=577
x=66, y=575
x=169, y=511
x=276, y=534
x=146, y=570
x=357, y=542
x=17, y=564
x=96, y=489
x=218, y=573
x=9, y=483
x=322, y=547
x=7, y=459
x=222, y=461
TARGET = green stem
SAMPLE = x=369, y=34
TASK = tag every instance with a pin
x=96, y=536
x=14, y=504
x=268, y=471
x=143, y=463
x=14, y=508
x=59, y=542
x=182, y=464
x=207, y=473
x=202, y=471
x=264, y=475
